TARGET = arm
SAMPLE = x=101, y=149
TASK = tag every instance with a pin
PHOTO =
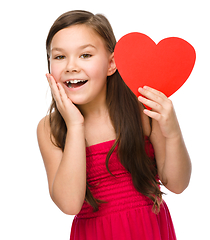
x=66, y=171
x=173, y=161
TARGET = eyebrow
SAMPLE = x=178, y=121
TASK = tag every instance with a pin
x=87, y=45
x=81, y=47
x=57, y=49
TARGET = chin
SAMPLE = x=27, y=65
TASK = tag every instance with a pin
x=78, y=102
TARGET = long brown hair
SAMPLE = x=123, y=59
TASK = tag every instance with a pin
x=124, y=112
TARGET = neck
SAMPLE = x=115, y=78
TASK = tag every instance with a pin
x=94, y=110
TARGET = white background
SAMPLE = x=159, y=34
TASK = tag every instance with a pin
x=26, y=210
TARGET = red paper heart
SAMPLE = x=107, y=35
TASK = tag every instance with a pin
x=164, y=66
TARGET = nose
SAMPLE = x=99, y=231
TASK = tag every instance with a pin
x=72, y=66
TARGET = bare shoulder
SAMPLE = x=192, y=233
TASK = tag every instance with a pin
x=43, y=131
x=51, y=154
x=43, y=126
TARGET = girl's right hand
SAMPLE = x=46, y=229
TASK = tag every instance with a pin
x=70, y=113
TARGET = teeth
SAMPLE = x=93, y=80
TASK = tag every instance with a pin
x=75, y=81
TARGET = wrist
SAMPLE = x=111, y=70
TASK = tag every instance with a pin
x=75, y=127
x=76, y=132
x=176, y=138
x=175, y=133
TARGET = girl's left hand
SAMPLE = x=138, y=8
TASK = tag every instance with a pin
x=162, y=111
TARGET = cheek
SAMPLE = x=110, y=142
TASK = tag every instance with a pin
x=98, y=70
x=55, y=71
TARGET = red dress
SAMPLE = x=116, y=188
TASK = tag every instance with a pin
x=127, y=214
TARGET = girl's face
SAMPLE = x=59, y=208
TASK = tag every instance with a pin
x=80, y=62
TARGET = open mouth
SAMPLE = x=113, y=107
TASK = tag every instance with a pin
x=75, y=83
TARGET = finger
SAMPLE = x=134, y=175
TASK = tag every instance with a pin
x=159, y=98
x=156, y=92
x=54, y=89
x=151, y=104
x=64, y=97
x=48, y=77
x=152, y=114
x=152, y=94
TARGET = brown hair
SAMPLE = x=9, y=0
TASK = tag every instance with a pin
x=124, y=112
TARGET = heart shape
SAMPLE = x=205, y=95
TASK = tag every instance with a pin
x=164, y=66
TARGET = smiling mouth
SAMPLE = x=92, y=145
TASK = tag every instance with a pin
x=75, y=83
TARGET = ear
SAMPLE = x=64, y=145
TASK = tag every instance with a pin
x=112, y=66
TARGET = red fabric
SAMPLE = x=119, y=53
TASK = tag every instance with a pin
x=127, y=214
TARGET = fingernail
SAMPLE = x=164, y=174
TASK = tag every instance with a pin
x=140, y=98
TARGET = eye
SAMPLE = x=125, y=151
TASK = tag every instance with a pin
x=60, y=57
x=85, y=55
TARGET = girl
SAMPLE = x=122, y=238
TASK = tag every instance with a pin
x=105, y=155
